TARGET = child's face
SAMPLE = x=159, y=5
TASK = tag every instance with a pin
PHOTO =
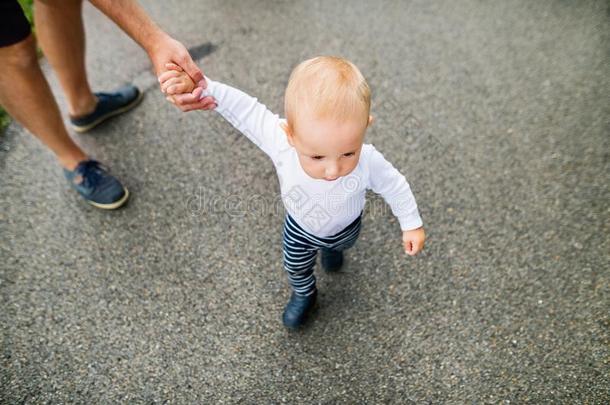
x=328, y=148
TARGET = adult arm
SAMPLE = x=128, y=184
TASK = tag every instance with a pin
x=160, y=47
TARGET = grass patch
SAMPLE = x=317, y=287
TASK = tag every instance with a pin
x=5, y=119
x=27, y=6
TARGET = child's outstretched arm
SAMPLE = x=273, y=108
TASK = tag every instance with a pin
x=244, y=112
x=385, y=180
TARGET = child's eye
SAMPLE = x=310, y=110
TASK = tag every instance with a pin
x=317, y=157
x=349, y=154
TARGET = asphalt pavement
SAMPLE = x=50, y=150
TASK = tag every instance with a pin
x=497, y=112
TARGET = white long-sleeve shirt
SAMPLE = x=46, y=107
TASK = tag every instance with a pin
x=321, y=207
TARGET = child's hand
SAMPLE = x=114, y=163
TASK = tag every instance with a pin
x=175, y=80
x=182, y=91
x=413, y=241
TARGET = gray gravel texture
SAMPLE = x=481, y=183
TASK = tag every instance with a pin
x=496, y=111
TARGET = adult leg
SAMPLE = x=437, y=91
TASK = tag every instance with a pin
x=25, y=94
x=61, y=35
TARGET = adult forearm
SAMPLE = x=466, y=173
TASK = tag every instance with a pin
x=131, y=18
x=161, y=48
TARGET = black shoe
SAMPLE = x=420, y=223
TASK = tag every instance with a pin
x=332, y=260
x=297, y=309
x=108, y=105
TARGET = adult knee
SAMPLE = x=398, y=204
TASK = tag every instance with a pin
x=21, y=55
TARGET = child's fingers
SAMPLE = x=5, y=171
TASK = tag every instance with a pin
x=167, y=75
x=208, y=103
x=415, y=247
x=189, y=98
x=178, y=88
x=197, y=93
x=408, y=247
x=174, y=81
x=191, y=101
x=173, y=66
x=185, y=99
x=202, y=105
x=174, y=88
x=166, y=85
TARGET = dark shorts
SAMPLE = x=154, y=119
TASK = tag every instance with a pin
x=14, y=27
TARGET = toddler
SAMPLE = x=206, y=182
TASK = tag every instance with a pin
x=324, y=166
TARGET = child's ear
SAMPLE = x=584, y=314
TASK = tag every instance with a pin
x=288, y=131
x=371, y=119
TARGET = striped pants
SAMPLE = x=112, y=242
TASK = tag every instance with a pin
x=301, y=249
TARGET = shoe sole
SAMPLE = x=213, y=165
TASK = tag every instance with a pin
x=114, y=205
x=84, y=128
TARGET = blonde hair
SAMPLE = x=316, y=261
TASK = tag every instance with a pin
x=327, y=86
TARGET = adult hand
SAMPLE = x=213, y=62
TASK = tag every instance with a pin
x=161, y=48
x=168, y=50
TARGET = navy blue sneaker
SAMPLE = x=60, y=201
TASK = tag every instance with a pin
x=96, y=185
x=297, y=309
x=108, y=105
x=332, y=260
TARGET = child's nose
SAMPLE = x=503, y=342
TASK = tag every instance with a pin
x=332, y=170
